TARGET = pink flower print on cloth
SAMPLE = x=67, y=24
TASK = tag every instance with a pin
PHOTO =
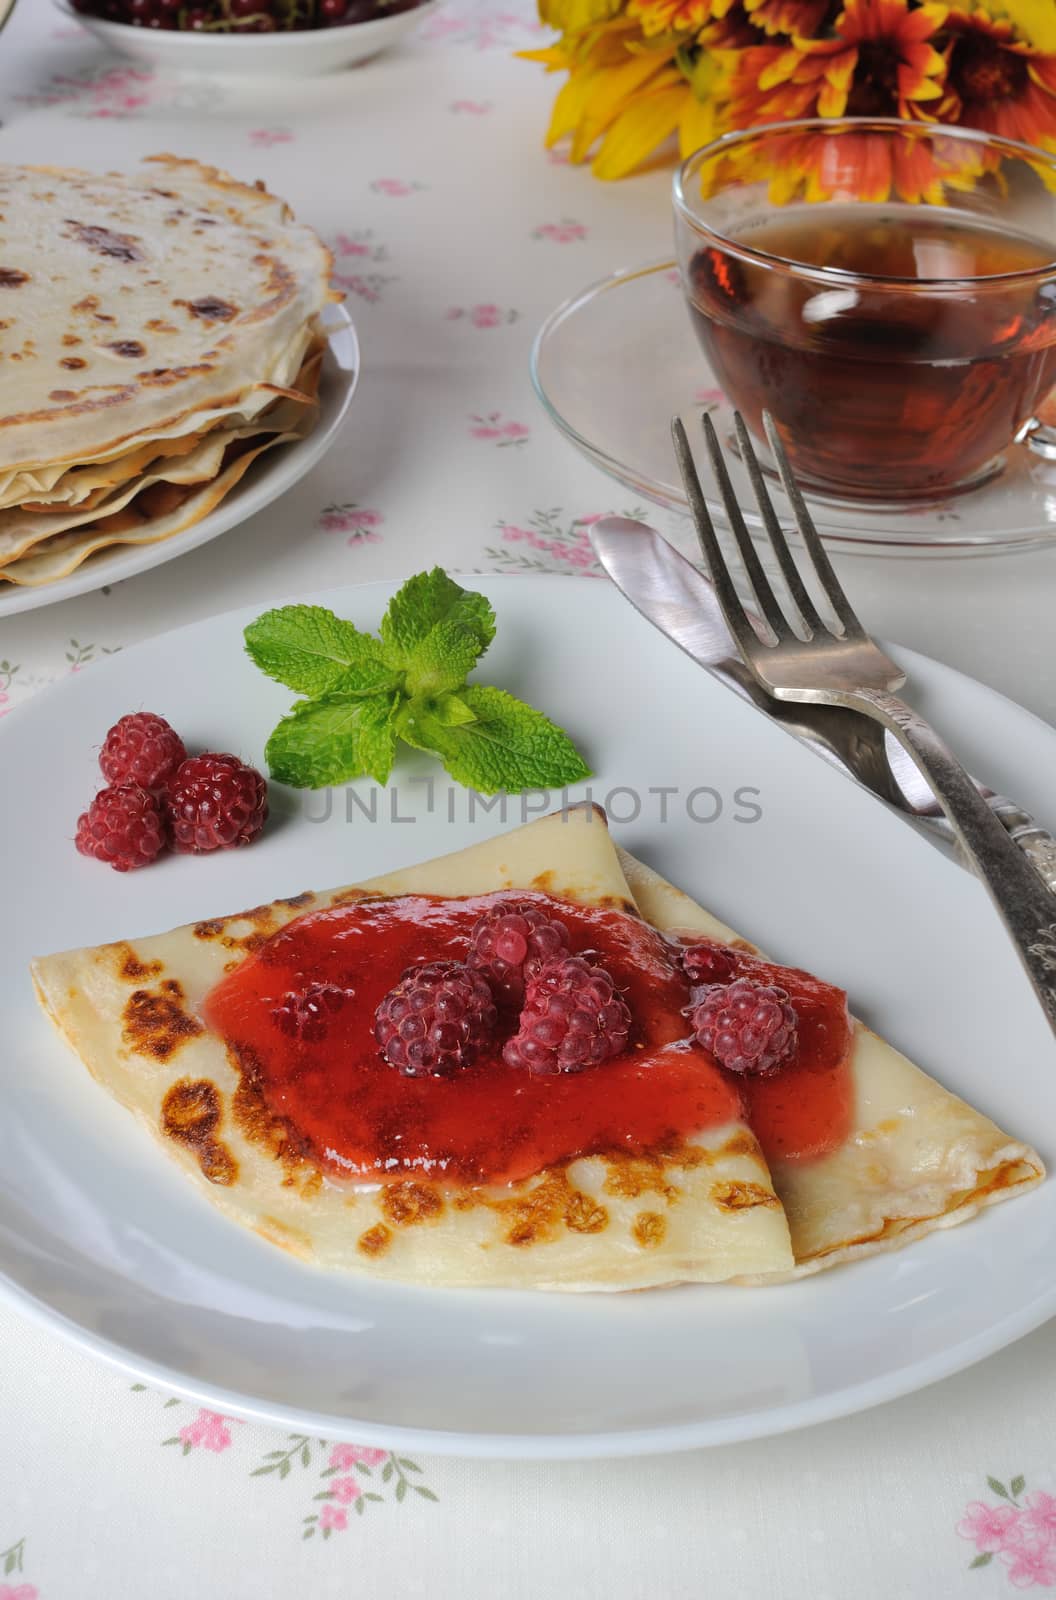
x=1020, y=1532
x=395, y=188
x=343, y=1456
x=563, y=232
x=359, y=522
x=472, y=108
x=21, y=1591
x=265, y=138
x=1039, y=1517
x=209, y=1431
x=988, y=1527
x=495, y=429
x=482, y=316
x=332, y=1518
x=345, y=1490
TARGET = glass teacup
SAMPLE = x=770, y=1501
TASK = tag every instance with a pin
x=886, y=289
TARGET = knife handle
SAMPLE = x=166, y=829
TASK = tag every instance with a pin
x=1018, y=892
x=1036, y=843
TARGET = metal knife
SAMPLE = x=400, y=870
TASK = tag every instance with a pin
x=668, y=590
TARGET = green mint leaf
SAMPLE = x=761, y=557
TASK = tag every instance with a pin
x=507, y=746
x=452, y=710
x=426, y=600
x=334, y=739
x=443, y=659
x=310, y=650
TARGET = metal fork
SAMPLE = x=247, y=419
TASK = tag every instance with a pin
x=814, y=662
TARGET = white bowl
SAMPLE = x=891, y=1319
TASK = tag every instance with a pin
x=304, y=54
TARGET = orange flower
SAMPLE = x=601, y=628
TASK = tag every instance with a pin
x=802, y=18
x=676, y=16
x=870, y=165
x=880, y=64
x=995, y=82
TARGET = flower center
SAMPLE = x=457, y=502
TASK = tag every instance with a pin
x=981, y=71
x=874, y=92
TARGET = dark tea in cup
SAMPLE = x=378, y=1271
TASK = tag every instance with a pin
x=900, y=346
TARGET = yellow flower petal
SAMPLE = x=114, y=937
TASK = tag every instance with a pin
x=638, y=130
x=698, y=125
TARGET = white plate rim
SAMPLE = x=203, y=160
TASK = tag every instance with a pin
x=277, y=473
x=655, y=1440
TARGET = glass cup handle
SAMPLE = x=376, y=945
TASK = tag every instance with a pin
x=1039, y=434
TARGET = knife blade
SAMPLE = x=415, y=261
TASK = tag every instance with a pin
x=679, y=601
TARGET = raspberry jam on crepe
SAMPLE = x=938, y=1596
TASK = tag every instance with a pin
x=491, y=1121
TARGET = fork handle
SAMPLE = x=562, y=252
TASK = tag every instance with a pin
x=1026, y=907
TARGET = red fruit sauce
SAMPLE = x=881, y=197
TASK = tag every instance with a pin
x=491, y=1123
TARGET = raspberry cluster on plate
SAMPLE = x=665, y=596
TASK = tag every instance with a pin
x=159, y=798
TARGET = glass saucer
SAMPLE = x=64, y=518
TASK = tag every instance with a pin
x=613, y=366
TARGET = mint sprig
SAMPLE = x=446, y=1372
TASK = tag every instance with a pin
x=365, y=693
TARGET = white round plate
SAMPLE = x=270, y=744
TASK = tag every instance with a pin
x=104, y=1239
x=307, y=53
x=276, y=471
x=613, y=366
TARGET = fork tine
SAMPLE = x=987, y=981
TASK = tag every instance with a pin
x=758, y=579
x=819, y=556
x=807, y=609
x=747, y=639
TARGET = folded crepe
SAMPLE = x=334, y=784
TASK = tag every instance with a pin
x=916, y=1157
x=701, y=1210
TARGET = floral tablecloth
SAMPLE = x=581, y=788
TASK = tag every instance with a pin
x=454, y=234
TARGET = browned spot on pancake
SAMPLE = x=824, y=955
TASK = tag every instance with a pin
x=157, y=1024
x=229, y=966
x=739, y=1196
x=741, y=1144
x=209, y=308
x=62, y=394
x=159, y=325
x=375, y=1241
x=252, y=941
x=256, y=914
x=127, y=347
x=71, y=339
x=121, y=246
x=89, y=303
x=190, y=1114
x=296, y=901
x=208, y=930
x=312, y=1184
x=649, y=1229
x=408, y=1203
x=533, y=1213
x=12, y=278
x=628, y=1177
x=743, y=944
x=133, y=968
x=347, y=896
x=73, y=363
x=260, y=1124
x=584, y=1215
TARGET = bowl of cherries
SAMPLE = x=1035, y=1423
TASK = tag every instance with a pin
x=264, y=38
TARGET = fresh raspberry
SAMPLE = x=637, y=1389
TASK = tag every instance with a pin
x=707, y=962
x=573, y=1017
x=511, y=943
x=748, y=1026
x=436, y=1019
x=215, y=802
x=143, y=749
x=124, y=826
x=306, y=1014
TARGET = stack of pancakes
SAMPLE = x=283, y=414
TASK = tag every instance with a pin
x=157, y=333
